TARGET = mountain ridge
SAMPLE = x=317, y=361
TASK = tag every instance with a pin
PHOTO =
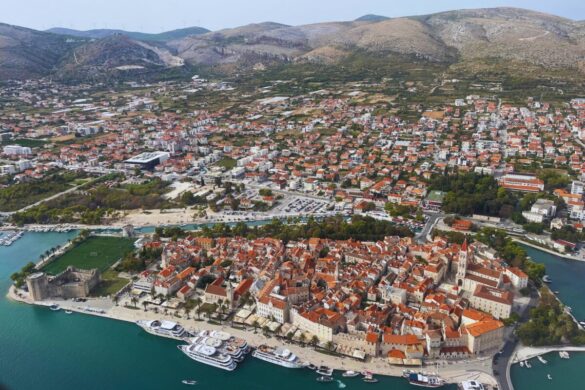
x=461, y=38
x=102, y=33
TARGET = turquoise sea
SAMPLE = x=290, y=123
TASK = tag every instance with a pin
x=41, y=349
x=568, y=279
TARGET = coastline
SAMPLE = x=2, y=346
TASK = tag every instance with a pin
x=549, y=251
x=527, y=353
x=452, y=371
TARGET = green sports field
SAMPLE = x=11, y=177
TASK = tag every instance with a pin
x=95, y=252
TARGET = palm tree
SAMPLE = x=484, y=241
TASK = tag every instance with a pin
x=198, y=311
x=329, y=346
x=314, y=341
x=144, y=303
x=255, y=324
x=290, y=335
x=134, y=301
x=265, y=329
x=302, y=338
x=116, y=299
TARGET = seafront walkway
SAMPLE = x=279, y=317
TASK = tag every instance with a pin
x=452, y=371
x=526, y=353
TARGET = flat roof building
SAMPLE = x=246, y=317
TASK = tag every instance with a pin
x=148, y=160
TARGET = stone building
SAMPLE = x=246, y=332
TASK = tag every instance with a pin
x=71, y=283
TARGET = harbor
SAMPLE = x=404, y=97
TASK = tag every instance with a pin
x=377, y=368
x=165, y=366
x=8, y=237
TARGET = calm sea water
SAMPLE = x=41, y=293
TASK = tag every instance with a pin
x=41, y=349
x=568, y=278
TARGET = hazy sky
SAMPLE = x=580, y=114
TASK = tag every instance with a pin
x=162, y=15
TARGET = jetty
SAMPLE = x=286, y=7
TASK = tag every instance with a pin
x=527, y=353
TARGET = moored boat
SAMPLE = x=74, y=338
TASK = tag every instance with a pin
x=541, y=359
x=422, y=380
x=55, y=307
x=350, y=374
x=189, y=382
x=324, y=370
x=281, y=356
x=208, y=355
x=369, y=377
x=164, y=328
x=546, y=279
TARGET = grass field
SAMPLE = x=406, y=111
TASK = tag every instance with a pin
x=109, y=285
x=227, y=162
x=95, y=252
x=31, y=143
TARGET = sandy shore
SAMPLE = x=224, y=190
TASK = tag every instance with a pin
x=476, y=369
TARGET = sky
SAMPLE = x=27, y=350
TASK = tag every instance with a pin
x=163, y=15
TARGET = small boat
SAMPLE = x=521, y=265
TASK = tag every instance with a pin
x=324, y=370
x=369, y=377
x=542, y=360
x=527, y=363
x=521, y=364
x=582, y=323
x=564, y=355
x=324, y=378
x=68, y=312
x=189, y=382
x=54, y=307
x=549, y=377
x=546, y=279
x=350, y=374
x=312, y=367
x=425, y=380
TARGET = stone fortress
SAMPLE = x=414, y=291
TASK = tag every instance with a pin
x=71, y=283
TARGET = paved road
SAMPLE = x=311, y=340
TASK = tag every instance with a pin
x=421, y=237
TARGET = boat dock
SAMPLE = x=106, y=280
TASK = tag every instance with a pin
x=527, y=353
x=8, y=237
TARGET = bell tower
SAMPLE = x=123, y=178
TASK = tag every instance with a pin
x=462, y=265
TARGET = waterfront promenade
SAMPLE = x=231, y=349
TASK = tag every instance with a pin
x=452, y=371
x=526, y=353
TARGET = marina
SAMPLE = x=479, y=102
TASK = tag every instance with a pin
x=8, y=237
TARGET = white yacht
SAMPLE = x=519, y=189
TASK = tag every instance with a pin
x=227, y=338
x=208, y=355
x=281, y=356
x=225, y=346
x=163, y=328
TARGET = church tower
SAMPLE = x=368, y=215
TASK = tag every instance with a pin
x=462, y=265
